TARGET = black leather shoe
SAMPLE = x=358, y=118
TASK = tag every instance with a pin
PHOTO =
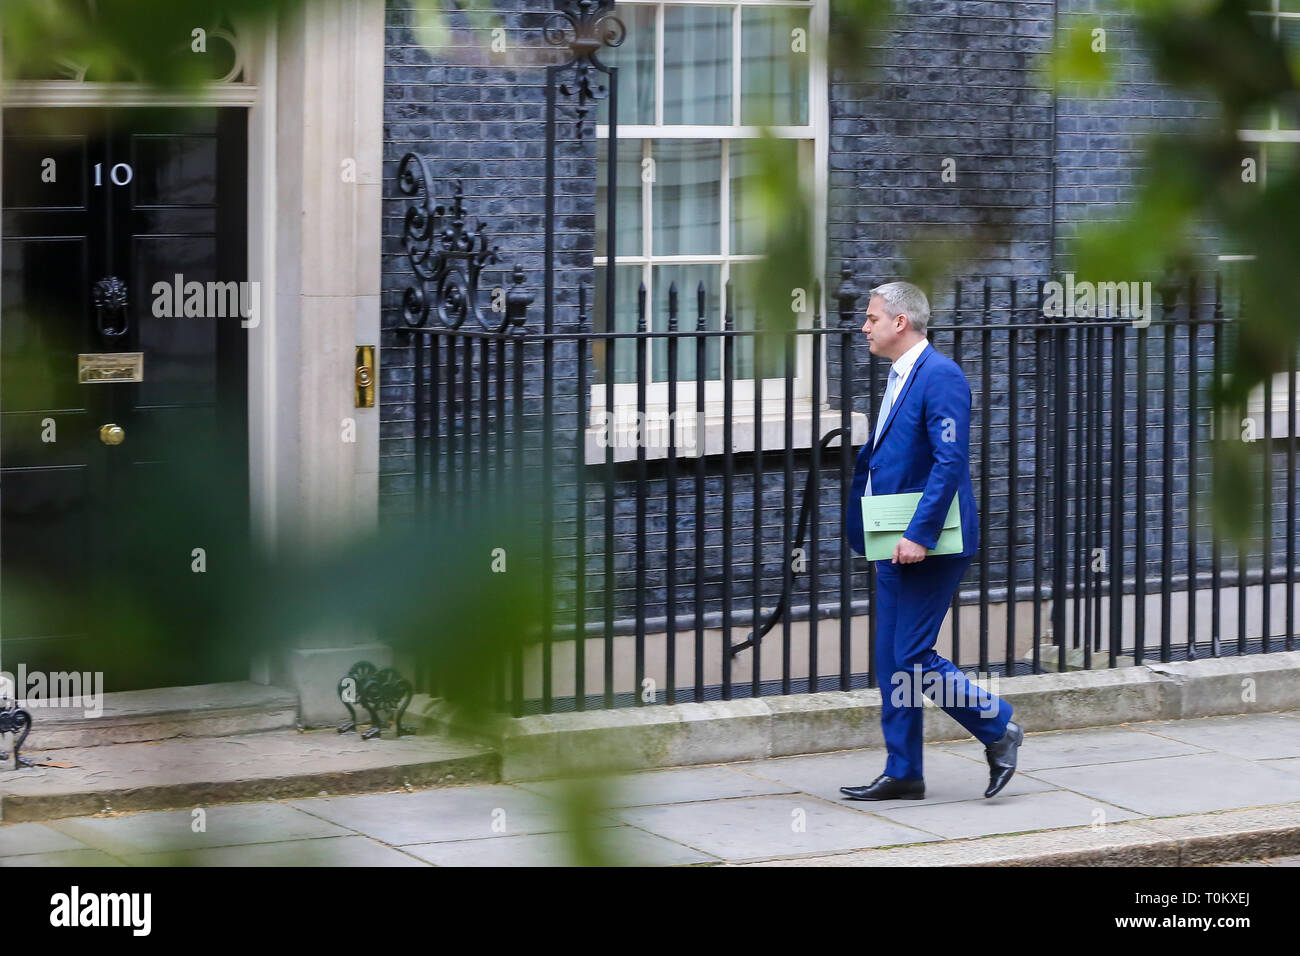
x=887, y=788
x=1002, y=757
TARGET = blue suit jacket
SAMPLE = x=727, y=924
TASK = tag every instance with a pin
x=925, y=446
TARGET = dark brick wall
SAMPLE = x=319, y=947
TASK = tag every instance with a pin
x=478, y=117
x=953, y=80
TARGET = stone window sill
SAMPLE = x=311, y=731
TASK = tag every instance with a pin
x=710, y=434
x=1281, y=426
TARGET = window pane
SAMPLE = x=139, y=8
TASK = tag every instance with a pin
x=627, y=280
x=746, y=205
x=687, y=197
x=697, y=65
x=688, y=278
x=635, y=60
x=744, y=310
x=627, y=215
x=774, y=66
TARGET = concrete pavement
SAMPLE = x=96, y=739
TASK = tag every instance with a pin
x=1172, y=792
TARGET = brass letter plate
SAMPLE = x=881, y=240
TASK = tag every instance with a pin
x=93, y=367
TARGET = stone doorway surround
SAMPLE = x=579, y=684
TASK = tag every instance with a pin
x=325, y=216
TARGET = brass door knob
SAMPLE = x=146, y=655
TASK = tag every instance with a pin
x=111, y=434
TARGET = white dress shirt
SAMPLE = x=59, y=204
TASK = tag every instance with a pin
x=902, y=367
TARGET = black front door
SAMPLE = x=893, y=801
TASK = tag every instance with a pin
x=123, y=409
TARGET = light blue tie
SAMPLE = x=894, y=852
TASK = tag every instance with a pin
x=885, y=405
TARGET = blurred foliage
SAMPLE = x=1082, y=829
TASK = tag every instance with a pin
x=123, y=40
x=856, y=33
x=428, y=584
x=456, y=593
x=1079, y=59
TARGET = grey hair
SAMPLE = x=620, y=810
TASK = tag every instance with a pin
x=903, y=298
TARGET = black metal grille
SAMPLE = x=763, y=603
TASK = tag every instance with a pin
x=1086, y=434
x=1090, y=439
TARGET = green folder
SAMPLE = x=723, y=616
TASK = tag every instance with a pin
x=886, y=517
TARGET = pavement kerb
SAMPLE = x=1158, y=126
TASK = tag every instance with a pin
x=676, y=735
x=1193, y=840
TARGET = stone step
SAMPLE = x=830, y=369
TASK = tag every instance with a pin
x=203, y=710
x=187, y=772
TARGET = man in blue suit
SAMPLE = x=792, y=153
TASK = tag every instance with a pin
x=921, y=442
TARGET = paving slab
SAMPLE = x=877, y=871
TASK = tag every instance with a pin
x=625, y=846
x=1075, y=748
x=652, y=787
x=330, y=851
x=947, y=777
x=190, y=772
x=63, y=858
x=1253, y=736
x=20, y=839
x=1288, y=764
x=1170, y=786
x=174, y=830
x=759, y=827
x=435, y=816
x=1020, y=813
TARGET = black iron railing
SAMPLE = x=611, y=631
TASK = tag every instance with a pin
x=704, y=558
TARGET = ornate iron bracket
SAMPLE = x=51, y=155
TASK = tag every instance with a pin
x=384, y=694
x=446, y=256
x=593, y=24
x=14, y=720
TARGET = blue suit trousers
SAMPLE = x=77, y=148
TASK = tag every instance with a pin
x=911, y=601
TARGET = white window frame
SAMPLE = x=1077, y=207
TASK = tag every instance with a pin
x=1273, y=134
x=814, y=151
x=1280, y=427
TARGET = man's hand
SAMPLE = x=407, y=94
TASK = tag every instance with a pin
x=908, y=552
